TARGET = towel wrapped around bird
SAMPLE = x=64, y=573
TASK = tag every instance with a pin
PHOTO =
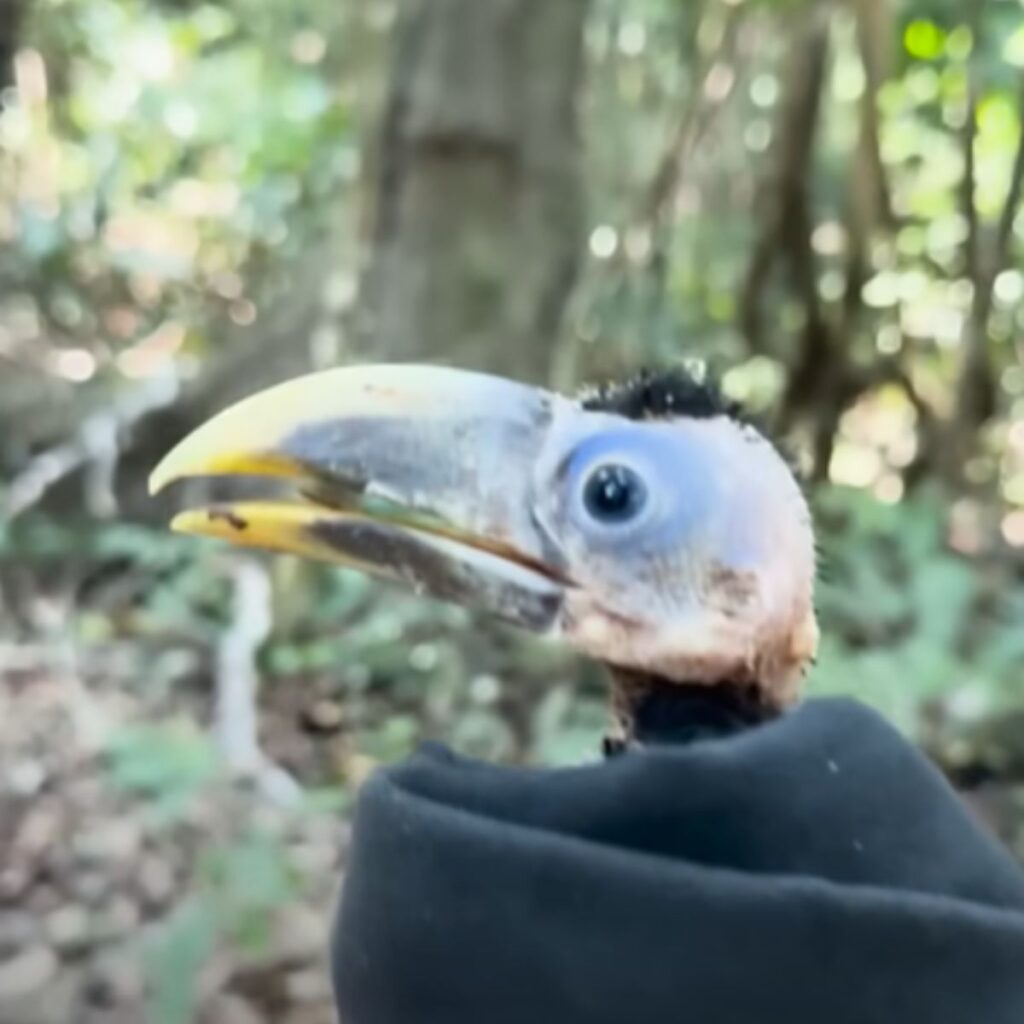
x=813, y=870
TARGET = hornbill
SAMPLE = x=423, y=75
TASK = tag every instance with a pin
x=735, y=864
x=648, y=524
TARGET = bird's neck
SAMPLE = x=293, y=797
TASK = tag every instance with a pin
x=650, y=710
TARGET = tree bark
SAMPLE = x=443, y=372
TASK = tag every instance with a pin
x=478, y=202
x=784, y=202
x=986, y=258
x=11, y=13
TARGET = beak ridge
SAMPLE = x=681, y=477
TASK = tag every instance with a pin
x=417, y=474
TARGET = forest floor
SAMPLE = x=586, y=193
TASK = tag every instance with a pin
x=128, y=894
x=140, y=884
x=141, y=880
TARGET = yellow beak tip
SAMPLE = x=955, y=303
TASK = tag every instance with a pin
x=189, y=522
x=172, y=467
x=157, y=481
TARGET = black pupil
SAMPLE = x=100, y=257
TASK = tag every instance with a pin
x=614, y=494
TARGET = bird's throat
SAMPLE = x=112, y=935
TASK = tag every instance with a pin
x=651, y=710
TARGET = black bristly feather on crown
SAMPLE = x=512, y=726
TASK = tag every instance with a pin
x=663, y=394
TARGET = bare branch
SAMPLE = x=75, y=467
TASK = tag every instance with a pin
x=868, y=203
x=874, y=35
x=1004, y=232
x=976, y=387
x=707, y=97
x=968, y=206
x=94, y=448
x=784, y=201
x=969, y=135
x=11, y=14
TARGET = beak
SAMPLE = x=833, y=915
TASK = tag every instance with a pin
x=422, y=475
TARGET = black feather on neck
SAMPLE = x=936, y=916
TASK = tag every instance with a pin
x=659, y=711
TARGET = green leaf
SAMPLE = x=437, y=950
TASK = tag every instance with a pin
x=924, y=40
x=169, y=762
x=175, y=958
x=248, y=881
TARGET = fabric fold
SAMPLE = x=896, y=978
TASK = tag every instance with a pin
x=813, y=869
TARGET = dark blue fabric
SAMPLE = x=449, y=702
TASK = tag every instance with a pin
x=814, y=869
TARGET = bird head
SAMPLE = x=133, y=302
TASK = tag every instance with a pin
x=649, y=525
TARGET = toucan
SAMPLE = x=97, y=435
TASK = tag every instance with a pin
x=649, y=524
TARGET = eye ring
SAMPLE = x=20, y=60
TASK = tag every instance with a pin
x=614, y=494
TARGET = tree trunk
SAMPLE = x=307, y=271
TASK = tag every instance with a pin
x=11, y=12
x=478, y=201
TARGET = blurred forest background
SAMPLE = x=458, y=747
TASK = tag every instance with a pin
x=821, y=200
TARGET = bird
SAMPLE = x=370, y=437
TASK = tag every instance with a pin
x=649, y=523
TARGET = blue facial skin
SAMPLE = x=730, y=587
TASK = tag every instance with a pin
x=671, y=489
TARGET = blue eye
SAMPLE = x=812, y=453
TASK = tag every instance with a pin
x=614, y=494
x=639, y=488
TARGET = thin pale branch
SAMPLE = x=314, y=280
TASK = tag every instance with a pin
x=237, y=678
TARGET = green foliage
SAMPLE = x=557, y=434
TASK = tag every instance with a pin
x=567, y=727
x=906, y=622
x=159, y=159
x=243, y=883
x=167, y=763
x=175, y=958
x=246, y=882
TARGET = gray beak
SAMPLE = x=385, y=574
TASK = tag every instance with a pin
x=417, y=474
